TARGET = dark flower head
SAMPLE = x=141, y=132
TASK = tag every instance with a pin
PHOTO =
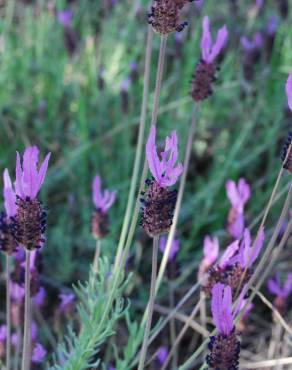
x=165, y=171
x=28, y=178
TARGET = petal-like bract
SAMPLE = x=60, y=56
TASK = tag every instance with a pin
x=289, y=90
x=9, y=195
x=102, y=200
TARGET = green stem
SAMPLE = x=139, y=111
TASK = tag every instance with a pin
x=138, y=155
x=26, y=355
x=8, y=313
x=150, y=304
x=96, y=256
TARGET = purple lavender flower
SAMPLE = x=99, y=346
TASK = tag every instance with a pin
x=66, y=301
x=289, y=90
x=224, y=347
x=211, y=250
x=102, y=200
x=229, y=252
x=162, y=354
x=65, y=18
x=275, y=287
x=38, y=354
x=238, y=195
x=28, y=178
x=173, y=249
x=165, y=171
x=9, y=195
x=209, y=50
x=255, y=43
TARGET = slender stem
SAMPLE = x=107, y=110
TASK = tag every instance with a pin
x=96, y=256
x=150, y=304
x=8, y=313
x=27, y=316
x=181, y=334
x=139, y=146
x=18, y=344
x=172, y=327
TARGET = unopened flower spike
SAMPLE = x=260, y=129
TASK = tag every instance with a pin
x=287, y=150
x=30, y=220
x=205, y=73
x=159, y=201
x=282, y=292
x=164, y=16
x=7, y=241
x=225, y=346
x=103, y=200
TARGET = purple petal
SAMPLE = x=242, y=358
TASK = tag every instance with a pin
x=30, y=173
x=162, y=354
x=222, y=36
x=38, y=354
x=18, y=176
x=17, y=292
x=244, y=190
x=152, y=156
x=211, y=250
x=232, y=194
x=3, y=333
x=96, y=191
x=221, y=307
x=206, y=41
x=42, y=173
x=65, y=17
x=173, y=249
x=258, y=246
x=274, y=288
x=39, y=298
x=289, y=90
x=9, y=195
x=228, y=254
x=66, y=300
x=236, y=228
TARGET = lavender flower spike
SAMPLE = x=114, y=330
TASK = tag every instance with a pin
x=28, y=178
x=209, y=50
x=164, y=171
x=102, y=200
x=289, y=90
x=9, y=195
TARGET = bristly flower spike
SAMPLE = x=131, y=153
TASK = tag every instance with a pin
x=7, y=242
x=30, y=220
x=159, y=201
x=224, y=347
x=205, y=73
x=103, y=200
x=165, y=14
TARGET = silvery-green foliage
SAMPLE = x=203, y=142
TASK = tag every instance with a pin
x=97, y=320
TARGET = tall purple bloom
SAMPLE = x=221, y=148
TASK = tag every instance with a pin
x=159, y=201
x=103, y=200
x=238, y=195
x=224, y=347
x=30, y=220
x=205, y=73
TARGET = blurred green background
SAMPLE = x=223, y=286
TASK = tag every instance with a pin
x=77, y=92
